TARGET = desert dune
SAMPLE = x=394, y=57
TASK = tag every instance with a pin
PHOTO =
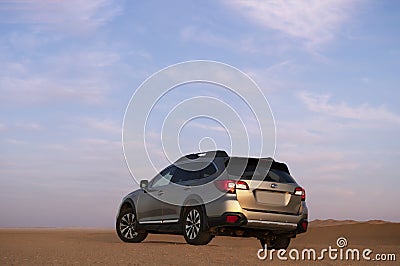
x=80, y=246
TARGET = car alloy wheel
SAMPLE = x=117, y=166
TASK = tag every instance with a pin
x=127, y=226
x=194, y=229
x=193, y=223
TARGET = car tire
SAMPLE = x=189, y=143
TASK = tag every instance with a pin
x=126, y=227
x=194, y=229
x=280, y=242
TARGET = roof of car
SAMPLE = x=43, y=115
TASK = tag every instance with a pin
x=222, y=154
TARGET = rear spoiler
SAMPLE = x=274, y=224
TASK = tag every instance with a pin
x=278, y=165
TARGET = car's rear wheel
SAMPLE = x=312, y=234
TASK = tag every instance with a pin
x=126, y=227
x=280, y=242
x=194, y=229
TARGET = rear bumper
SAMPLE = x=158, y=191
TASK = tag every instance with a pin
x=243, y=222
x=276, y=221
x=222, y=221
x=271, y=225
x=302, y=226
x=259, y=220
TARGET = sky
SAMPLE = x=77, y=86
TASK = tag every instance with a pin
x=329, y=70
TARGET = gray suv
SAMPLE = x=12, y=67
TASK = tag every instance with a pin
x=208, y=194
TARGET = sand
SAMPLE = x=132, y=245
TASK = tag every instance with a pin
x=41, y=246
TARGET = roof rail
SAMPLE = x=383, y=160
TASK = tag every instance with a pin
x=207, y=154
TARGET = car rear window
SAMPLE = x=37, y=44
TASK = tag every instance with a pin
x=236, y=166
x=279, y=177
x=272, y=176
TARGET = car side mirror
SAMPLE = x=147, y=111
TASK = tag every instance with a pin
x=144, y=184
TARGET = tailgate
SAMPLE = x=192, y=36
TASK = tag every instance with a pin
x=269, y=197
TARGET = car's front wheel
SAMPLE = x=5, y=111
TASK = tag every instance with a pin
x=126, y=227
x=194, y=229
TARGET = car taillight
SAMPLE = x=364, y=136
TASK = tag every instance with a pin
x=230, y=186
x=242, y=185
x=304, y=225
x=231, y=218
x=225, y=185
x=300, y=192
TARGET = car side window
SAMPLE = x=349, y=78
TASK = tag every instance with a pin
x=164, y=178
x=208, y=171
x=182, y=175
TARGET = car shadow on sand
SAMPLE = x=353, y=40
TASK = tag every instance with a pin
x=109, y=237
x=169, y=242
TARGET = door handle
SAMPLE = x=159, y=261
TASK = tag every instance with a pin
x=187, y=188
x=160, y=192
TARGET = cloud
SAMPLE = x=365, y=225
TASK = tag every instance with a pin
x=15, y=141
x=70, y=16
x=314, y=22
x=87, y=168
x=87, y=59
x=321, y=104
x=108, y=126
x=191, y=33
x=29, y=126
x=239, y=42
x=57, y=78
x=141, y=53
x=218, y=128
x=276, y=77
x=44, y=90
